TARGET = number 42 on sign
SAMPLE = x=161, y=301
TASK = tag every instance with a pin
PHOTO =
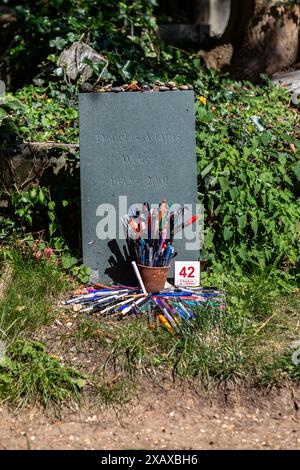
x=187, y=273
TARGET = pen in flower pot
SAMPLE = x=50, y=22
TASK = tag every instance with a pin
x=190, y=221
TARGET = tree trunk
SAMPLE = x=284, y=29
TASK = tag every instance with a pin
x=271, y=40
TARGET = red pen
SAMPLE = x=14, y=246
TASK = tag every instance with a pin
x=186, y=224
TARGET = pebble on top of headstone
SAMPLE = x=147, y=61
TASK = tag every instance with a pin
x=134, y=86
x=138, y=145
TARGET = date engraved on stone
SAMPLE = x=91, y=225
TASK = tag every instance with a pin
x=121, y=181
x=157, y=180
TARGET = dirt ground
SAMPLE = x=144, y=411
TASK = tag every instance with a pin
x=164, y=416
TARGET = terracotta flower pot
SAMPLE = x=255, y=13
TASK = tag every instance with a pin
x=154, y=278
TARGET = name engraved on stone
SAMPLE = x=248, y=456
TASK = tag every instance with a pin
x=127, y=138
x=159, y=137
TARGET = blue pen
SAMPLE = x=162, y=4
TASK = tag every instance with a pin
x=155, y=259
x=183, y=314
x=98, y=305
x=99, y=300
x=174, y=294
x=118, y=305
x=92, y=291
x=147, y=254
x=142, y=247
x=96, y=294
x=169, y=252
x=182, y=305
x=198, y=293
x=86, y=296
x=166, y=255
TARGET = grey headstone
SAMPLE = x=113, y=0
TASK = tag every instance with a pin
x=141, y=145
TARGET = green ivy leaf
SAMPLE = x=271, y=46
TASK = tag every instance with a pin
x=227, y=233
x=254, y=225
x=296, y=170
x=207, y=169
x=33, y=194
x=242, y=220
x=28, y=218
x=68, y=261
x=204, y=115
x=265, y=138
x=51, y=216
x=21, y=212
x=41, y=196
x=224, y=183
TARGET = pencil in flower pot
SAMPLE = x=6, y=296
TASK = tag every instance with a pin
x=148, y=231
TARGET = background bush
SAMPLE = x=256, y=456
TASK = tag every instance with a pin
x=248, y=144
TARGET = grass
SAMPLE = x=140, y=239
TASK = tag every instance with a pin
x=220, y=347
x=90, y=330
x=253, y=294
x=116, y=391
x=250, y=342
x=212, y=350
x=28, y=374
x=29, y=295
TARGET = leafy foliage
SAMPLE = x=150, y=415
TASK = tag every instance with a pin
x=248, y=174
x=248, y=150
x=35, y=211
x=123, y=31
x=248, y=144
x=47, y=114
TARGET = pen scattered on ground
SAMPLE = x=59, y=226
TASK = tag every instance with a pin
x=174, y=308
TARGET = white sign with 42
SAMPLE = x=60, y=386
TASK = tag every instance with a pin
x=187, y=273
